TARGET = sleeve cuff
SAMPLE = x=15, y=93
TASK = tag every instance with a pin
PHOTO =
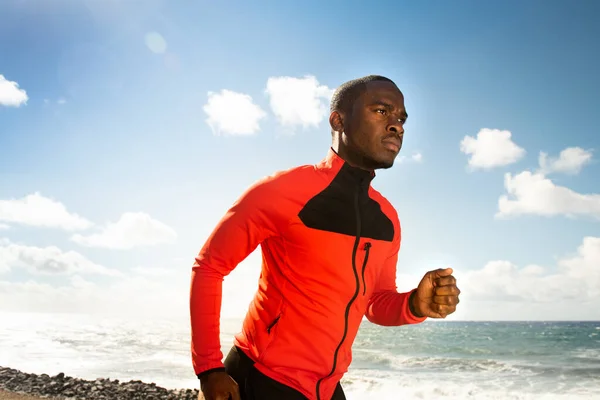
x=410, y=313
x=209, y=371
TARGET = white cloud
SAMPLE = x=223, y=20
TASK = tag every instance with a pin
x=156, y=42
x=232, y=113
x=48, y=260
x=569, y=161
x=152, y=271
x=4, y=227
x=133, y=294
x=10, y=93
x=40, y=211
x=416, y=157
x=492, y=148
x=533, y=193
x=60, y=101
x=585, y=265
x=131, y=230
x=299, y=101
x=576, y=278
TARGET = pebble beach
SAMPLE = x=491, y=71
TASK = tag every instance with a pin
x=4, y=395
x=19, y=385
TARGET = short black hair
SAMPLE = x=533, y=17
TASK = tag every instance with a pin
x=346, y=94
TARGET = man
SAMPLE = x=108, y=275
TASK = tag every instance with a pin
x=330, y=245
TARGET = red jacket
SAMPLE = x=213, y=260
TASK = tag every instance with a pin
x=330, y=245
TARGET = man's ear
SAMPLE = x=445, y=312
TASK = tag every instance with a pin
x=336, y=121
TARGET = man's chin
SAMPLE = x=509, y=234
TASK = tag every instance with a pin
x=388, y=162
x=385, y=164
x=381, y=161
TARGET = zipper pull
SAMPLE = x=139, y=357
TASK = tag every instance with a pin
x=366, y=247
x=272, y=324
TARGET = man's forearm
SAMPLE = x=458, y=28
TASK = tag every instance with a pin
x=205, y=308
x=390, y=308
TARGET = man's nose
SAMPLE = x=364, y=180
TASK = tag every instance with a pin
x=396, y=125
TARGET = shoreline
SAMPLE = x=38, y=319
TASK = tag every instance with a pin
x=19, y=385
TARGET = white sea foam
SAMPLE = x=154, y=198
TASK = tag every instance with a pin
x=431, y=388
x=589, y=354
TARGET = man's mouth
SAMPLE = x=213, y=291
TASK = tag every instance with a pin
x=392, y=144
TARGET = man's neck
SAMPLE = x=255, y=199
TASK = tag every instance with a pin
x=349, y=157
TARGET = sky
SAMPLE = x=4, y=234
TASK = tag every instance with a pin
x=128, y=128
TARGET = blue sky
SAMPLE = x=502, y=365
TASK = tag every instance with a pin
x=111, y=176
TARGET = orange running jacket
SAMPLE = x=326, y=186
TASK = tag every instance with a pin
x=329, y=246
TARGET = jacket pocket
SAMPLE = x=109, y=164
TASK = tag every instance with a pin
x=269, y=337
x=273, y=323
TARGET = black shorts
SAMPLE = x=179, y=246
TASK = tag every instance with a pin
x=256, y=386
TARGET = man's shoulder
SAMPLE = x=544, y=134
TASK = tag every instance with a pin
x=306, y=171
x=386, y=206
x=285, y=180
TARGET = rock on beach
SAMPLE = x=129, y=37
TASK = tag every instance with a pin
x=65, y=387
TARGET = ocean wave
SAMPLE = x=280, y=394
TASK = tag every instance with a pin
x=463, y=365
x=387, y=386
x=381, y=360
x=587, y=354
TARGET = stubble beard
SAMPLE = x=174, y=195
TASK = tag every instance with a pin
x=365, y=161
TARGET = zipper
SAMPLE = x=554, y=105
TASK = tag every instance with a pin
x=367, y=247
x=356, y=292
x=272, y=324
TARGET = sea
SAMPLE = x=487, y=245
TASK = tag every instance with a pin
x=440, y=359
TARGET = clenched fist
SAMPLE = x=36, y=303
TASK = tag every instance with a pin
x=436, y=295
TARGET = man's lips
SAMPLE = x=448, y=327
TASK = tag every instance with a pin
x=392, y=144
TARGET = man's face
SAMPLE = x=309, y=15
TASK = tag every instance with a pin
x=375, y=127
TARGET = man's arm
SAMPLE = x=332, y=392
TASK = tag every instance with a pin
x=386, y=306
x=245, y=225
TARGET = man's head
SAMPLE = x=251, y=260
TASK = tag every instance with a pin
x=367, y=121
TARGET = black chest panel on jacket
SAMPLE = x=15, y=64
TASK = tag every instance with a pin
x=334, y=208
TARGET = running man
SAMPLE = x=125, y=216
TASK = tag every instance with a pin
x=329, y=245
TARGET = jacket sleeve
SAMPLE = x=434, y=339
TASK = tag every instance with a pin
x=244, y=226
x=386, y=306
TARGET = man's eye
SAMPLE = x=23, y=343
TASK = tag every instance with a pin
x=381, y=110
